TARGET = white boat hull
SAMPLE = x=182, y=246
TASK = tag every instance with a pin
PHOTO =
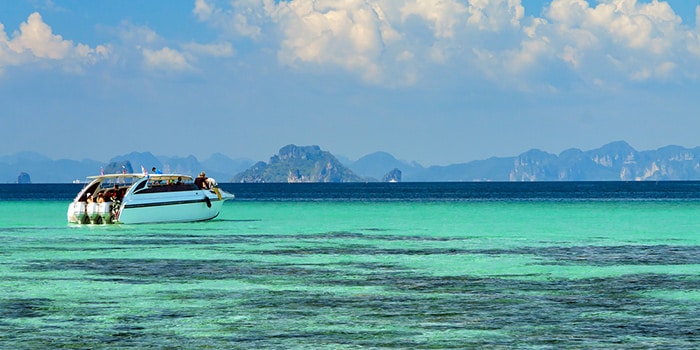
x=192, y=207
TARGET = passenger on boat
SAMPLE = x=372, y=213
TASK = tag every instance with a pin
x=116, y=199
x=177, y=182
x=100, y=197
x=116, y=196
x=211, y=183
x=201, y=181
x=157, y=171
x=89, y=198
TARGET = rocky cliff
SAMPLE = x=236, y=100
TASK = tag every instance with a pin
x=119, y=167
x=392, y=176
x=614, y=161
x=299, y=164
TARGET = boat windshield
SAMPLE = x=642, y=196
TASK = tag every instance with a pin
x=109, y=182
x=170, y=179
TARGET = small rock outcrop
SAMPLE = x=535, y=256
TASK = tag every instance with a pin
x=24, y=178
x=392, y=176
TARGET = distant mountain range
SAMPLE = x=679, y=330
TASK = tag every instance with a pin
x=42, y=169
x=616, y=161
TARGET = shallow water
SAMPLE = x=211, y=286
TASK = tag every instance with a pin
x=348, y=273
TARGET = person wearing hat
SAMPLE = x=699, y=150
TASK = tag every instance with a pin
x=201, y=181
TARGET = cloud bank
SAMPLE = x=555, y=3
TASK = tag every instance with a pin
x=400, y=43
x=391, y=42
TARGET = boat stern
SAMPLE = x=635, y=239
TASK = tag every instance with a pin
x=222, y=195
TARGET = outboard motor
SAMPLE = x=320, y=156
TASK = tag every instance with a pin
x=104, y=210
x=77, y=212
x=92, y=212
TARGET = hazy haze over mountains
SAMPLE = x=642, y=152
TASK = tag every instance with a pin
x=46, y=170
x=612, y=162
x=616, y=161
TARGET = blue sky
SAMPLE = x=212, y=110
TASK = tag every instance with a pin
x=436, y=82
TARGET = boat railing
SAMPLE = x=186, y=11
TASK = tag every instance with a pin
x=167, y=188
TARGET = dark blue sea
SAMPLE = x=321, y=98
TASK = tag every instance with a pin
x=417, y=191
x=545, y=265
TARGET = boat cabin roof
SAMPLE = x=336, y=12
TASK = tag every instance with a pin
x=163, y=177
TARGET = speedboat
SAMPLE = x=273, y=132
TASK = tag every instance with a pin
x=145, y=198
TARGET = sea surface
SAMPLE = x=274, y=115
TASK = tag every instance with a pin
x=592, y=265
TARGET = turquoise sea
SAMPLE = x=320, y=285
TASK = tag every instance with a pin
x=347, y=266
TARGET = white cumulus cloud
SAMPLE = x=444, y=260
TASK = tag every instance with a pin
x=636, y=40
x=138, y=35
x=343, y=33
x=165, y=59
x=156, y=53
x=443, y=17
x=381, y=41
x=494, y=15
x=36, y=42
x=241, y=20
